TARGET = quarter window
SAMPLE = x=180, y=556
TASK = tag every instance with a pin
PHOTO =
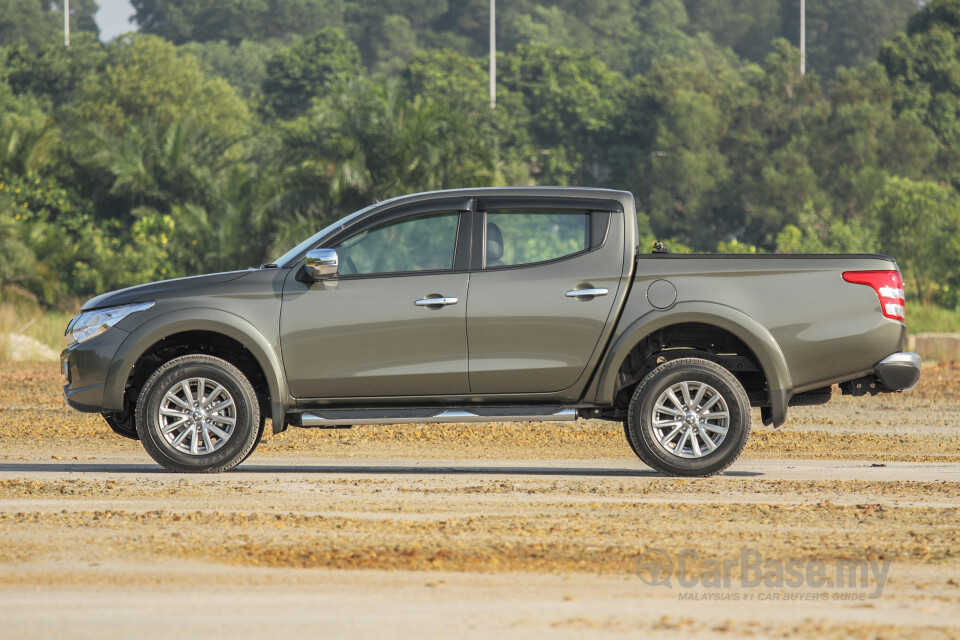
x=526, y=237
x=424, y=243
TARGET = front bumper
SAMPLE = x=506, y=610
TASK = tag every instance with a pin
x=899, y=372
x=85, y=366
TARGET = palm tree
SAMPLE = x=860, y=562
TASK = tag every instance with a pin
x=27, y=143
x=157, y=166
x=354, y=142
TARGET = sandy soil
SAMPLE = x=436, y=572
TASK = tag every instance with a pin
x=465, y=531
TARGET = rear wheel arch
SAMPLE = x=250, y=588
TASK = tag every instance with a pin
x=760, y=345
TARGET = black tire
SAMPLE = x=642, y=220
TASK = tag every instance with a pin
x=256, y=443
x=246, y=415
x=633, y=445
x=642, y=435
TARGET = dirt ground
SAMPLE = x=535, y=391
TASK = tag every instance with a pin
x=520, y=530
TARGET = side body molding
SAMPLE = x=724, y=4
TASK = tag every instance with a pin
x=199, y=319
x=751, y=332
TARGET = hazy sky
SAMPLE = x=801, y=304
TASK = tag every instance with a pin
x=113, y=18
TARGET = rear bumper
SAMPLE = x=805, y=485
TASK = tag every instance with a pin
x=899, y=372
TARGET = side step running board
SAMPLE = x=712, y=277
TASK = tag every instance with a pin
x=343, y=417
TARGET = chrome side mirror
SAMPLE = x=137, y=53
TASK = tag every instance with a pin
x=322, y=263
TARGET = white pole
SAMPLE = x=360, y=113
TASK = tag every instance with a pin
x=493, y=53
x=803, y=37
x=66, y=23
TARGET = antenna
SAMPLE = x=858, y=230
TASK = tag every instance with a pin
x=385, y=189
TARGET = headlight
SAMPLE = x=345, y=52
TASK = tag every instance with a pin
x=92, y=323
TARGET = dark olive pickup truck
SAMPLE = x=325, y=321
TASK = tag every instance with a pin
x=486, y=305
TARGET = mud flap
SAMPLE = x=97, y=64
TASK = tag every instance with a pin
x=776, y=413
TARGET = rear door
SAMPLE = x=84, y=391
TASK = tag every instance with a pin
x=542, y=289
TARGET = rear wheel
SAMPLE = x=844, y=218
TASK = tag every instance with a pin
x=689, y=417
x=198, y=414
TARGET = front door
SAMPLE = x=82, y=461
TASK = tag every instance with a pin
x=372, y=331
x=542, y=297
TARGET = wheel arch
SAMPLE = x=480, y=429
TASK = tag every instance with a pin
x=757, y=338
x=199, y=321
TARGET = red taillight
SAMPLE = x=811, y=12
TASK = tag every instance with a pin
x=889, y=288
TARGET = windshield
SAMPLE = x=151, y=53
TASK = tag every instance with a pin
x=287, y=258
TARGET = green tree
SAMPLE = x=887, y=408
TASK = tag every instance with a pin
x=298, y=74
x=52, y=73
x=845, y=32
x=918, y=223
x=243, y=65
x=687, y=169
x=863, y=140
x=571, y=98
x=18, y=263
x=146, y=78
x=182, y=21
x=445, y=74
x=924, y=66
x=29, y=137
x=773, y=116
x=460, y=84
x=821, y=232
x=50, y=235
x=152, y=166
x=396, y=47
x=389, y=32
x=209, y=203
x=235, y=230
x=746, y=26
x=353, y=143
x=37, y=22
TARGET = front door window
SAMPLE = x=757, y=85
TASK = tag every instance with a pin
x=424, y=243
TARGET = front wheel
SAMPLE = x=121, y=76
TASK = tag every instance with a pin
x=689, y=417
x=198, y=414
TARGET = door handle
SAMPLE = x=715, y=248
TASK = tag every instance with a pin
x=586, y=293
x=436, y=302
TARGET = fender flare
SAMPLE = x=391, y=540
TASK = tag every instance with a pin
x=751, y=332
x=198, y=319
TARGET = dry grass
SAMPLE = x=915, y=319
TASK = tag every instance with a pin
x=930, y=318
x=44, y=326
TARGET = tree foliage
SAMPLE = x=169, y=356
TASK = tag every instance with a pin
x=627, y=35
x=298, y=74
x=35, y=23
x=146, y=78
x=228, y=130
x=232, y=20
x=919, y=222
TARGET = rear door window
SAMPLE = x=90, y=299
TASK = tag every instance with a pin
x=521, y=237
